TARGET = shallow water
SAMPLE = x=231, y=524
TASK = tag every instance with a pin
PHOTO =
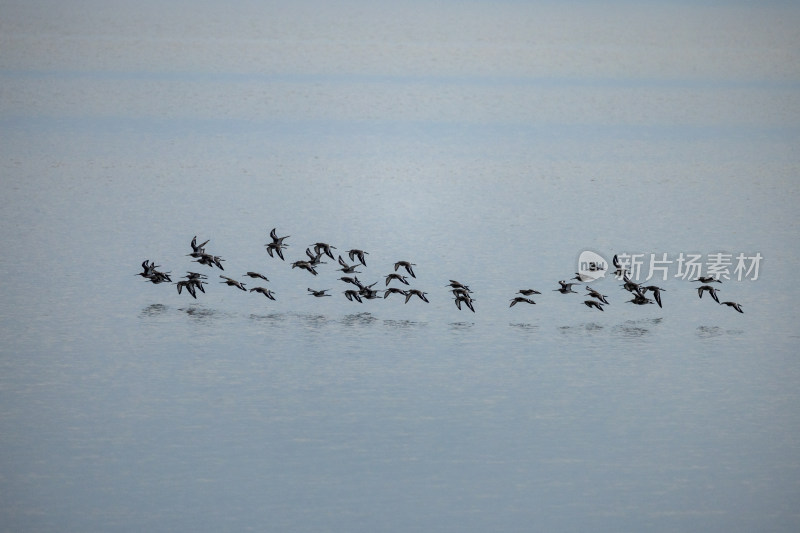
x=488, y=143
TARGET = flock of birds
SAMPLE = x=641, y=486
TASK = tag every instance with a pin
x=194, y=281
x=638, y=291
x=462, y=294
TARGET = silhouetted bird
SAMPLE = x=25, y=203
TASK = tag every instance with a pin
x=393, y=290
x=457, y=285
x=197, y=249
x=593, y=303
x=369, y=294
x=707, y=279
x=632, y=286
x=355, y=252
x=314, y=258
x=736, y=306
x=398, y=277
x=233, y=283
x=305, y=265
x=196, y=280
x=275, y=248
x=347, y=269
x=594, y=294
x=353, y=281
x=188, y=285
x=318, y=294
x=656, y=292
x=565, y=287
x=277, y=240
x=407, y=266
x=466, y=300
x=192, y=282
x=416, y=292
x=147, y=269
x=159, y=277
x=461, y=292
x=210, y=260
x=528, y=292
x=640, y=299
x=322, y=247
x=152, y=275
x=265, y=291
x=353, y=296
x=711, y=290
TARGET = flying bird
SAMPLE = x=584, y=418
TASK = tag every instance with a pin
x=393, y=290
x=711, y=290
x=265, y=291
x=318, y=294
x=736, y=306
x=594, y=294
x=465, y=300
x=416, y=292
x=528, y=292
x=565, y=287
x=707, y=279
x=593, y=303
x=275, y=248
x=355, y=252
x=640, y=299
x=305, y=265
x=353, y=296
x=407, y=266
x=398, y=277
x=233, y=283
x=348, y=269
x=325, y=248
x=656, y=292
x=277, y=240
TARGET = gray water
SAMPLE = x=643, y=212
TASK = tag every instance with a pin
x=487, y=142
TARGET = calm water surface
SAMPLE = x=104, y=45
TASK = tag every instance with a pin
x=488, y=143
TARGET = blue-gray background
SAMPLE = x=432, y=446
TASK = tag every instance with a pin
x=488, y=142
